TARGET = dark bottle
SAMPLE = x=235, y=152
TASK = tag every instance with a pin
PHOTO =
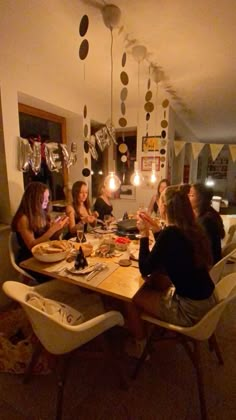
x=125, y=217
x=80, y=261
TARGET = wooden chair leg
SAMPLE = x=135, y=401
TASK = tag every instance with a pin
x=214, y=345
x=196, y=354
x=34, y=359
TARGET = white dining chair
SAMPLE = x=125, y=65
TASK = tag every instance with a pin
x=225, y=292
x=55, y=336
x=13, y=250
x=217, y=271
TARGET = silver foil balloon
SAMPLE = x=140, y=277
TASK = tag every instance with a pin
x=52, y=158
x=111, y=131
x=69, y=159
x=36, y=157
x=103, y=138
x=24, y=154
x=92, y=147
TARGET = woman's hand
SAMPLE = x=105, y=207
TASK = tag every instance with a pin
x=142, y=225
x=59, y=223
x=150, y=223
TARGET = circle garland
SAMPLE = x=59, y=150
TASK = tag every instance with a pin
x=148, y=106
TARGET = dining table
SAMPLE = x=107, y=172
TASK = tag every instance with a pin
x=120, y=282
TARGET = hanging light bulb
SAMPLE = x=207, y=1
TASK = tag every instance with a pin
x=112, y=182
x=136, y=178
x=153, y=177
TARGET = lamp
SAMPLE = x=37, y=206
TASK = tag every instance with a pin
x=209, y=182
x=136, y=178
x=153, y=177
x=112, y=182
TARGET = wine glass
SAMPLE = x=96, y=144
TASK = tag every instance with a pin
x=107, y=221
x=80, y=231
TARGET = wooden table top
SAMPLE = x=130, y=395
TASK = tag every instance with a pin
x=122, y=284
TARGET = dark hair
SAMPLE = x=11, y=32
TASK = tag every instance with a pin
x=76, y=188
x=179, y=213
x=31, y=206
x=162, y=181
x=204, y=195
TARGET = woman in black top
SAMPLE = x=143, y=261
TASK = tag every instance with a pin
x=200, y=197
x=103, y=204
x=32, y=222
x=182, y=252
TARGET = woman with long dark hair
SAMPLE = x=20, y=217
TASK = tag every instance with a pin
x=182, y=252
x=32, y=222
x=200, y=197
x=79, y=209
x=153, y=205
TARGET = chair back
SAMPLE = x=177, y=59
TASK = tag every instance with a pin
x=217, y=270
x=13, y=247
x=230, y=235
x=55, y=336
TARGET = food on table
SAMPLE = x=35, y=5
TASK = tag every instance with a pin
x=121, y=243
x=52, y=247
x=106, y=248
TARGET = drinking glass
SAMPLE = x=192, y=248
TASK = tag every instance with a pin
x=107, y=221
x=80, y=231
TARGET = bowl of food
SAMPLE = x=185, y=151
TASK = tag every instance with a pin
x=51, y=251
x=122, y=243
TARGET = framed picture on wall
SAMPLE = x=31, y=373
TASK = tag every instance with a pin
x=146, y=163
x=151, y=143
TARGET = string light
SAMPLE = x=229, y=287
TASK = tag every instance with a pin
x=112, y=182
x=153, y=177
x=136, y=178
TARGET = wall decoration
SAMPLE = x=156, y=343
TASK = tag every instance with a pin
x=127, y=191
x=150, y=143
x=146, y=163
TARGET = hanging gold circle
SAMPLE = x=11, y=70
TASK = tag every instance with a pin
x=162, y=158
x=148, y=96
x=85, y=130
x=123, y=158
x=123, y=108
x=149, y=106
x=86, y=162
x=85, y=111
x=123, y=148
x=163, y=143
x=165, y=103
x=122, y=122
x=162, y=165
x=164, y=123
x=124, y=78
x=148, y=116
x=83, y=49
x=83, y=26
x=149, y=83
x=123, y=94
x=86, y=172
x=123, y=62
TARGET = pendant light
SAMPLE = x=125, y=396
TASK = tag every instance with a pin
x=136, y=178
x=153, y=177
x=111, y=17
x=139, y=53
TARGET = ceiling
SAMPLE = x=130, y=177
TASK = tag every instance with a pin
x=193, y=43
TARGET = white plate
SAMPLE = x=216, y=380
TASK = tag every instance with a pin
x=86, y=270
x=100, y=230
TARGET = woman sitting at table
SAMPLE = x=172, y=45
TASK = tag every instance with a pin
x=103, y=204
x=79, y=210
x=32, y=222
x=200, y=197
x=153, y=205
x=182, y=252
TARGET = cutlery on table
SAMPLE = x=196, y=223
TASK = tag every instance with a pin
x=97, y=268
